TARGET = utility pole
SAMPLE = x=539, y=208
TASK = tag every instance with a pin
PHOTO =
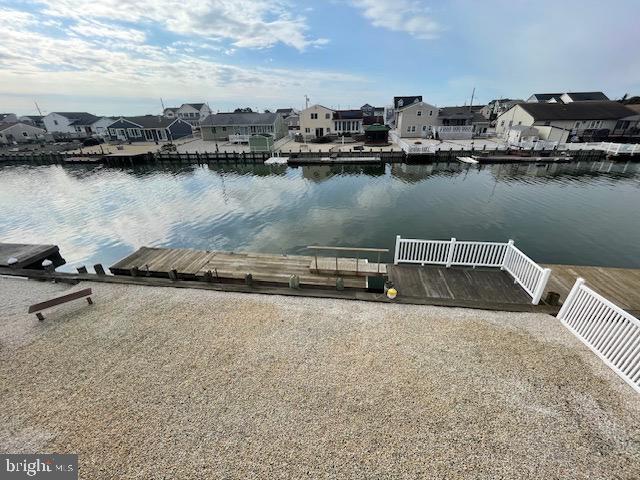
x=306, y=102
x=38, y=108
x=473, y=93
x=162, y=103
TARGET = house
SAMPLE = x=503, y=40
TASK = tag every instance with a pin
x=348, y=122
x=35, y=120
x=171, y=112
x=293, y=123
x=521, y=133
x=560, y=121
x=416, y=120
x=18, y=132
x=467, y=116
x=239, y=126
x=8, y=118
x=148, y=128
x=193, y=113
x=75, y=124
x=100, y=126
x=370, y=111
x=286, y=112
x=316, y=121
x=497, y=106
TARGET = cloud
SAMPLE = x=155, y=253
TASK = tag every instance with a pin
x=409, y=16
x=245, y=23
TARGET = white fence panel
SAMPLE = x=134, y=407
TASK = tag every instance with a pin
x=531, y=276
x=528, y=274
x=610, y=332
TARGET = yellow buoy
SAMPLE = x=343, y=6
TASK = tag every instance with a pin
x=391, y=293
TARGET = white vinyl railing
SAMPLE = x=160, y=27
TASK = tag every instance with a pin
x=239, y=138
x=525, y=272
x=610, y=332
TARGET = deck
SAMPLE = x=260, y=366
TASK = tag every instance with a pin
x=196, y=264
x=29, y=255
x=620, y=285
x=482, y=285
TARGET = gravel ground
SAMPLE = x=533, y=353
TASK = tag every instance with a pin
x=173, y=383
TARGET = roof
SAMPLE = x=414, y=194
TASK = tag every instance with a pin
x=172, y=109
x=372, y=120
x=347, y=114
x=33, y=117
x=406, y=101
x=4, y=126
x=197, y=106
x=586, y=96
x=456, y=112
x=577, y=110
x=376, y=127
x=150, y=121
x=545, y=97
x=285, y=110
x=79, y=118
x=232, y=118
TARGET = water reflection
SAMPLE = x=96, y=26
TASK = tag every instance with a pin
x=583, y=212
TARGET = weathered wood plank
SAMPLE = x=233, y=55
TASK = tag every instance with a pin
x=26, y=254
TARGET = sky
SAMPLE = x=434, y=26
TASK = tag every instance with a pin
x=113, y=57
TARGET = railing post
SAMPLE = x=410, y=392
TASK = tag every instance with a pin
x=570, y=298
x=542, y=283
x=396, y=254
x=452, y=247
x=506, y=253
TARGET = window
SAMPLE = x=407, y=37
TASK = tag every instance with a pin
x=314, y=116
x=400, y=102
x=519, y=123
x=419, y=113
x=25, y=134
x=577, y=125
x=430, y=113
x=502, y=123
x=327, y=116
x=224, y=129
x=408, y=129
x=424, y=128
x=307, y=130
x=55, y=122
x=413, y=128
x=112, y=132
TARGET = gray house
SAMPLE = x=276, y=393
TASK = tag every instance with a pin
x=238, y=127
x=148, y=128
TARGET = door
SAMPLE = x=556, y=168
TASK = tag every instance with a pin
x=319, y=132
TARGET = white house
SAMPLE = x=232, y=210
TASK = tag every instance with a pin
x=416, y=120
x=8, y=118
x=316, y=121
x=560, y=121
x=76, y=124
x=18, y=132
x=193, y=113
x=101, y=126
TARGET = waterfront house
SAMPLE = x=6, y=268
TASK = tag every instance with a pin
x=370, y=111
x=286, y=112
x=316, y=121
x=74, y=124
x=468, y=121
x=239, y=126
x=497, y=106
x=8, y=118
x=35, y=120
x=148, y=128
x=18, y=132
x=401, y=102
x=171, y=112
x=560, y=121
x=416, y=120
x=348, y=122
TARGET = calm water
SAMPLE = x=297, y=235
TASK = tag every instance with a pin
x=585, y=213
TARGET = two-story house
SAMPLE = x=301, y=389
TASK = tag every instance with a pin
x=193, y=113
x=559, y=121
x=416, y=120
x=316, y=121
x=74, y=124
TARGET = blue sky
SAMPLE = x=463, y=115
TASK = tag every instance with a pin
x=120, y=57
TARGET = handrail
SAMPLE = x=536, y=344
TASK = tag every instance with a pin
x=348, y=249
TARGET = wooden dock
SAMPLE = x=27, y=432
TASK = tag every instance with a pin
x=228, y=266
x=620, y=285
x=29, y=255
x=486, y=287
